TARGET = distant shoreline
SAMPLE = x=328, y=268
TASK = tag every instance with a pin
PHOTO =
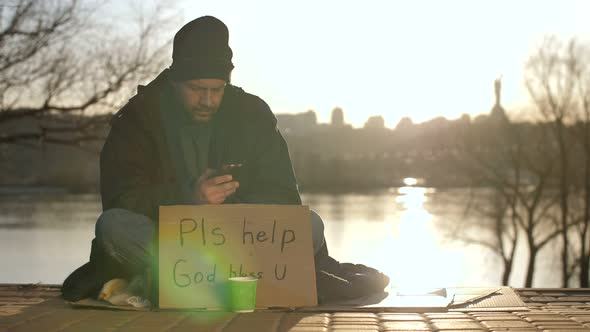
x=6, y=190
x=32, y=189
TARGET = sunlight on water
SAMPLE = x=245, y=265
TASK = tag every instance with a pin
x=412, y=198
x=410, y=181
x=422, y=263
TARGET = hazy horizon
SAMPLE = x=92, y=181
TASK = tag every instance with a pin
x=421, y=59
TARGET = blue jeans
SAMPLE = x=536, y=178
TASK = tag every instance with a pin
x=128, y=237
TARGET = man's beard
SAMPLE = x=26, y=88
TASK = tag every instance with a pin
x=202, y=115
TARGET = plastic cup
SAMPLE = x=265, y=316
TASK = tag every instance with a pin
x=242, y=294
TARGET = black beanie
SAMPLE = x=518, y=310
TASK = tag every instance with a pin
x=201, y=50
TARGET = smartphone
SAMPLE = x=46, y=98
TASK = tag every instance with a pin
x=228, y=169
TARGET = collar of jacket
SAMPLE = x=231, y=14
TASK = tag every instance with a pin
x=144, y=111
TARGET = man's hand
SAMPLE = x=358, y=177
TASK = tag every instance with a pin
x=214, y=190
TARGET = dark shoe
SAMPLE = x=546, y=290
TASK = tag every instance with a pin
x=332, y=288
x=83, y=283
x=89, y=278
x=343, y=281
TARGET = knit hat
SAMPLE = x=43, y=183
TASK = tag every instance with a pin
x=201, y=50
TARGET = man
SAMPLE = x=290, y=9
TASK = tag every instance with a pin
x=166, y=147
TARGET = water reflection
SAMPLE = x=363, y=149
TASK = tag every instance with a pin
x=421, y=262
x=412, y=198
x=400, y=232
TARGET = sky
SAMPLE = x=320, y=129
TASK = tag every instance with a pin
x=420, y=59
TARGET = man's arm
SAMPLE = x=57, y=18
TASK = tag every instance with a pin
x=272, y=177
x=129, y=170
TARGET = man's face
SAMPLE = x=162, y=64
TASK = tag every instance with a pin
x=201, y=97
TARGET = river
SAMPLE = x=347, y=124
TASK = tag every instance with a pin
x=405, y=232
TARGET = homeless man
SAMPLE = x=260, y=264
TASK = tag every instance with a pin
x=164, y=148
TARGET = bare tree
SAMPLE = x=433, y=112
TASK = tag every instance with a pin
x=493, y=215
x=484, y=148
x=552, y=90
x=63, y=66
x=558, y=80
x=511, y=159
x=579, y=69
x=535, y=196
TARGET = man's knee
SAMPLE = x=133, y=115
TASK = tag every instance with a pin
x=317, y=231
x=317, y=225
x=115, y=223
x=126, y=237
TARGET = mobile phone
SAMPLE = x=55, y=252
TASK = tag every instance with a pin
x=228, y=169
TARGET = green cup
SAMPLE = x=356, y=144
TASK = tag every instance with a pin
x=242, y=294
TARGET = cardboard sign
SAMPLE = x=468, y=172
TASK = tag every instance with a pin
x=200, y=247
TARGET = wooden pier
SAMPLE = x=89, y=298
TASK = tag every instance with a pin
x=40, y=308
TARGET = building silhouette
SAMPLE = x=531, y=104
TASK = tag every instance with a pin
x=375, y=122
x=337, y=117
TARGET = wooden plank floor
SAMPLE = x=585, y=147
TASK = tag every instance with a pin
x=40, y=308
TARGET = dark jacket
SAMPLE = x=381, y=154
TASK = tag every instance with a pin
x=137, y=170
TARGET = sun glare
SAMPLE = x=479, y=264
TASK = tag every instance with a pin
x=410, y=181
x=418, y=261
